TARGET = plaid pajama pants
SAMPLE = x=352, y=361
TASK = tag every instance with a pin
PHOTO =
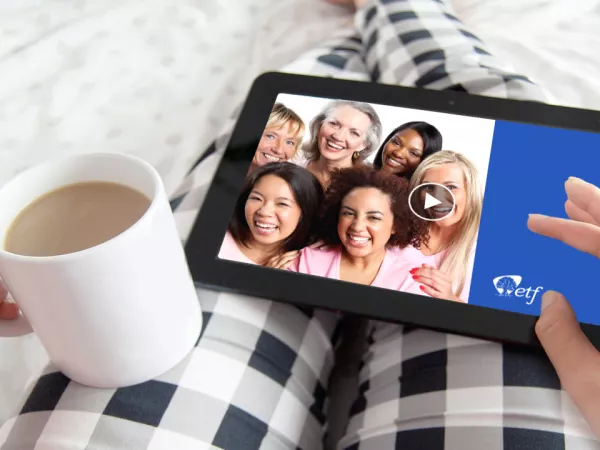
x=258, y=376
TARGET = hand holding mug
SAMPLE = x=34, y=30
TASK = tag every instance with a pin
x=575, y=359
x=8, y=310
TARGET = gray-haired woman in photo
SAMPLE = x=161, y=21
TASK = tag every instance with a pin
x=343, y=134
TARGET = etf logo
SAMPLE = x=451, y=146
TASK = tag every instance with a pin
x=509, y=285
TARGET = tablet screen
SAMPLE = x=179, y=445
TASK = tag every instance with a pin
x=466, y=185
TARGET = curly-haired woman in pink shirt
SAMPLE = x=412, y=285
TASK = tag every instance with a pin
x=365, y=214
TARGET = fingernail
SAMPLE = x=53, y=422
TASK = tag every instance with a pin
x=536, y=216
x=413, y=271
x=422, y=288
x=549, y=298
x=415, y=277
x=576, y=180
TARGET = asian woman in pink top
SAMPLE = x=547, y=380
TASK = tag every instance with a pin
x=365, y=214
x=275, y=213
x=443, y=265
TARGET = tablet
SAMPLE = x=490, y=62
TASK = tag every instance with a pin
x=515, y=155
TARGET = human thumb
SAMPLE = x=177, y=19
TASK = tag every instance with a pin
x=575, y=359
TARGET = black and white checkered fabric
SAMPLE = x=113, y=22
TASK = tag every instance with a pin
x=258, y=377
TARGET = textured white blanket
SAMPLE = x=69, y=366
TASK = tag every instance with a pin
x=152, y=78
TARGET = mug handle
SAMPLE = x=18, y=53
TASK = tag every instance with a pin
x=14, y=328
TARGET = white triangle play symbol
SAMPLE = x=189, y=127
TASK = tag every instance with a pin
x=430, y=201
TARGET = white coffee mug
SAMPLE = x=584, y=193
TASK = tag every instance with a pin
x=116, y=314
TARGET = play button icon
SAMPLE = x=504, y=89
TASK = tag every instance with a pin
x=431, y=201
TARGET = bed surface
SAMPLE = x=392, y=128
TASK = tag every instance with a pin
x=159, y=78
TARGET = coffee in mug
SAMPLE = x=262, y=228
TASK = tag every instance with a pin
x=74, y=218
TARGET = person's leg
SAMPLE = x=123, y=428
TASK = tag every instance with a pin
x=424, y=389
x=422, y=43
x=284, y=354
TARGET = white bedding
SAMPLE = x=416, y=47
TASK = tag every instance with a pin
x=157, y=78
x=554, y=42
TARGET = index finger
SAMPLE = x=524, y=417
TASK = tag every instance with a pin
x=432, y=272
x=428, y=272
x=579, y=235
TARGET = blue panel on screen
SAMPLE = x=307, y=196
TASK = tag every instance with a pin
x=528, y=167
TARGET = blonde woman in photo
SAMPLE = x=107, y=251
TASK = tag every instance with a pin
x=442, y=266
x=281, y=139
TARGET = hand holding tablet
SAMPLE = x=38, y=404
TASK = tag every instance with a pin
x=575, y=359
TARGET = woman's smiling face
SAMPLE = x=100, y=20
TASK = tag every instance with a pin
x=342, y=134
x=365, y=222
x=451, y=176
x=276, y=145
x=271, y=211
x=403, y=152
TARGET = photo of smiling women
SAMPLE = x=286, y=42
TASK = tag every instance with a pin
x=365, y=214
x=281, y=138
x=406, y=147
x=342, y=135
x=443, y=265
x=274, y=214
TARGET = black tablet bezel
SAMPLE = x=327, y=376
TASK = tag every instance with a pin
x=209, y=228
